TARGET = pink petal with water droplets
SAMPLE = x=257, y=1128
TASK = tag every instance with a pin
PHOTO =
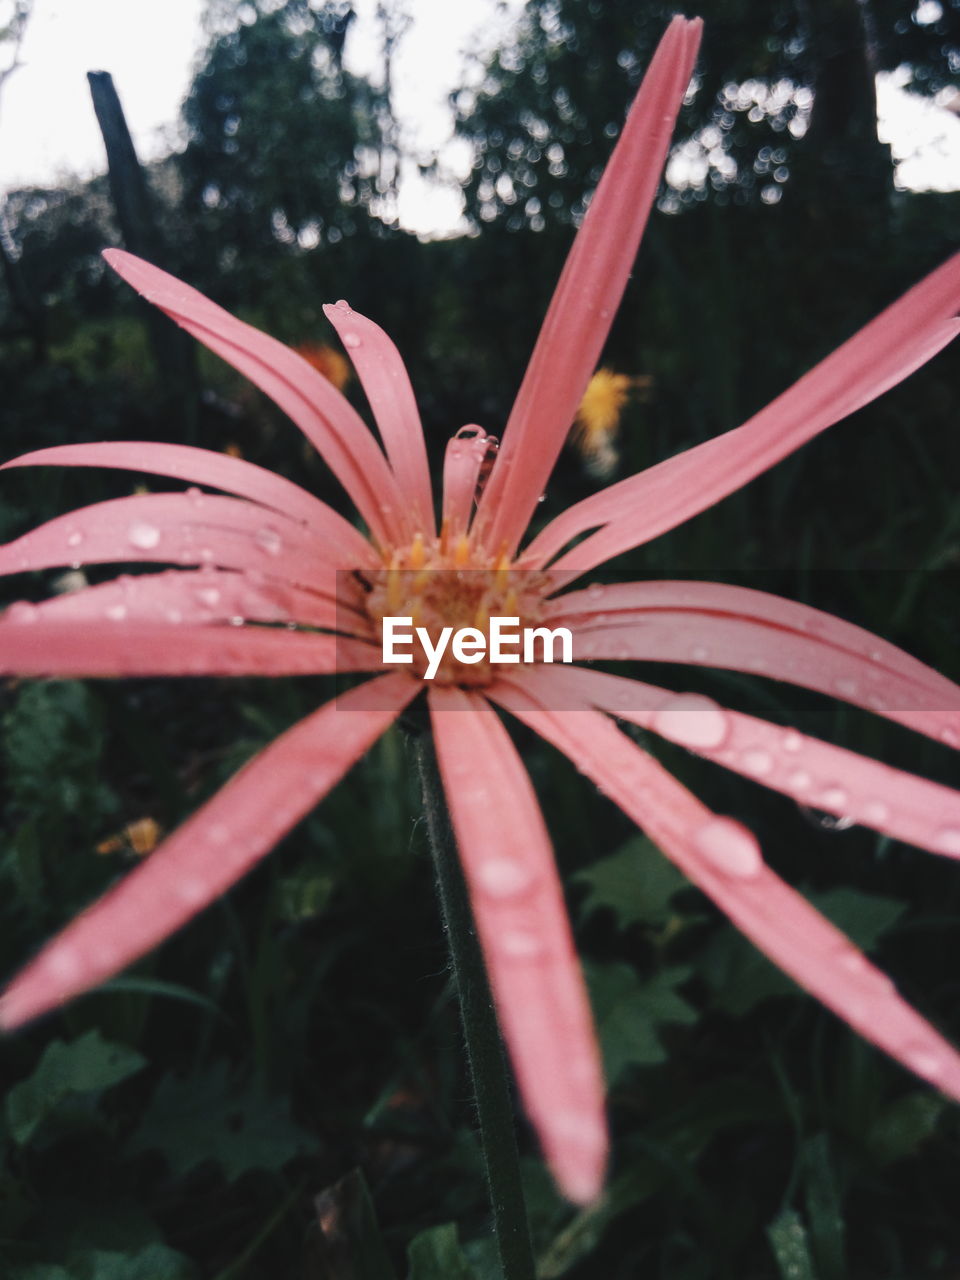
x=587, y=295
x=462, y=462
x=202, y=466
x=739, y=629
x=901, y=339
x=311, y=401
x=210, y=596
x=210, y=851
x=31, y=645
x=811, y=772
x=722, y=858
x=386, y=385
x=178, y=528
x=523, y=928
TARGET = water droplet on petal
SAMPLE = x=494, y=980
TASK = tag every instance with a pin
x=21, y=611
x=191, y=891
x=117, y=612
x=947, y=840
x=800, y=780
x=542, y=498
x=596, y=590
x=352, y=341
x=926, y=1062
x=757, y=761
x=74, y=539
x=521, y=944
x=792, y=741
x=343, y=305
x=503, y=877
x=833, y=798
x=729, y=847
x=950, y=737
x=269, y=540
x=692, y=721
x=143, y=536
x=875, y=811
x=209, y=596
x=64, y=963
x=700, y=654
x=174, y=615
x=846, y=688
x=219, y=833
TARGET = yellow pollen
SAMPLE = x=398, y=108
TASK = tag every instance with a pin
x=450, y=582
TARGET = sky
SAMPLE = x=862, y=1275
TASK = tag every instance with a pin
x=48, y=129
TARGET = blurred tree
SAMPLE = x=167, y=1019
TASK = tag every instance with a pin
x=285, y=146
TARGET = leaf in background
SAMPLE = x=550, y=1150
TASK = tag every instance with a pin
x=628, y=1012
x=742, y=976
x=154, y=1262
x=84, y=1066
x=209, y=1116
x=351, y=1247
x=902, y=1126
x=636, y=883
x=788, y=1240
x=824, y=1207
x=435, y=1254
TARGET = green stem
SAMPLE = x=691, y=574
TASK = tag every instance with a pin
x=488, y=1068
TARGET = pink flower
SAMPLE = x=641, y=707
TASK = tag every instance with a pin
x=270, y=553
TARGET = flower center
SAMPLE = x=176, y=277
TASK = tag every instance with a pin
x=445, y=584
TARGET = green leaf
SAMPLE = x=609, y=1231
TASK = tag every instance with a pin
x=154, y=1262
x=742, y=976
x=210, y=1116
x=902, y=1126
x=636, y=883
x=85, y=1066
x=788, y=1240
x=435, y=1254
x=629, y=1011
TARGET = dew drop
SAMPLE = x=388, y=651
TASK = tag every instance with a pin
x=834, y=798
x=846, y=688
x=926, y=1062
x=64, y=963
x=875, y=812
x=521, y=944
x=503, y=877
x=343, y=305
x=757, y=761
x=729, y=848
x=191, y=891
x=209, y=596
x=700, y=654
x=74, y=539
x=542, y=498
x=950, y=737
x=692, y=721
x=269, y=540
x=143, y=536
x=947, y=840
x=595, y=591
x=800, y=780
x=22, y=611
x=792, y=741
x=352, y=341
x=117, y=612
x=218, y=833
x=174, y=615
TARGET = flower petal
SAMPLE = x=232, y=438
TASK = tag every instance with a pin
x=210, y=851
x=523, y=928
x=182, y=528
x=462, y=463
x=203, y=466
x=311, y=401
x=386, y=384
x=633, y=511
x=31, y=645
x=587, y=295
x=841, y=782
x=739, y=629
x=209, y=596
x=722, y=858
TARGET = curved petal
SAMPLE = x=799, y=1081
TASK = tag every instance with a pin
x=523, y=928
x=462, y=463
x=901, y=339
x=210, y=851
x=587, y=295
x=208, y=596
x=177, y=527
x=311, y=401
x=33, y=646
x=722, y=858
x=841, y=782
x=203, y=466
x=739, y=629
x=386, y=385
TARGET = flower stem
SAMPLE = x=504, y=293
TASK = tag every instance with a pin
x=488, y=1068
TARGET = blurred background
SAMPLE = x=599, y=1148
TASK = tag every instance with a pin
x=279, y=1091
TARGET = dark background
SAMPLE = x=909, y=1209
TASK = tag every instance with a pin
x=180, y=1122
